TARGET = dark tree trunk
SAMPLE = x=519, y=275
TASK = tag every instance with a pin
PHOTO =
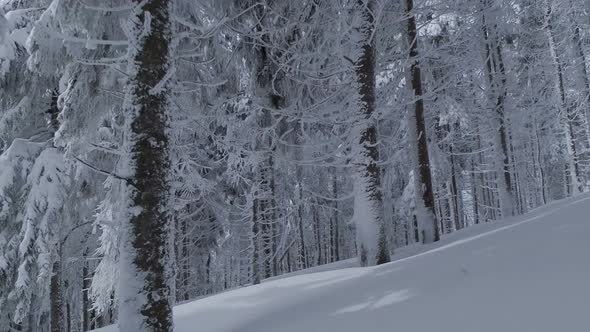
x=186, y=273
x=302, y=252
x=265, y=145
x=300, y=208
x=502, y=94
x=540, y=162
x=86, y=282
x=68, y=317
x=335, y=216
x=147, y=288
x=56, y=295
x=256, y=278
x=370, y=171
x=318, y=234
x=583, y=71
x=424, y=172
x=573, y=167
x=474, y=190
x=455, y=193
x=495, y=73
x=266, y=240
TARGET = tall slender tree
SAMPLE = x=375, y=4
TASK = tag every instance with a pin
x=423, y=179
x=368, y=192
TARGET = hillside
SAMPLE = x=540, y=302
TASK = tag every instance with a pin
x=530, y=273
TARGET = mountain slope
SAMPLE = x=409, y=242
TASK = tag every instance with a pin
x=530, y=273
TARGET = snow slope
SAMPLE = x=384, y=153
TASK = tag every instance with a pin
x=531, y=273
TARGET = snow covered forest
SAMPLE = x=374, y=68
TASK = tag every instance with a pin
x=158, y=151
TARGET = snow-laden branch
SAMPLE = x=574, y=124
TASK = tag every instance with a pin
x=103, y=172
x=159, y=88
x=106, y=9
x=89, y=41
x=99, y=63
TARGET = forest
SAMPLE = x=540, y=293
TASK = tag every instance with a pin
x=158, y=151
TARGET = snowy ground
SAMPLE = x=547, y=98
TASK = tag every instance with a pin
x=531, y=273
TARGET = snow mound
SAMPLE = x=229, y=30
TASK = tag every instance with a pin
x=528, y=273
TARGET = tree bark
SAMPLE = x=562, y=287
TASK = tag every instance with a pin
x=56, y=295
x=185, y=274
x=424, y=188
x=318, y=237
x=146, y=290
x=567, y=119
x=455, y=194
x=495, y=70
x=540, y=162
x=297, y=133
x=335, y=216
x=256, y=278
x=583, y=71
x=372, y=241
x=266, y=208
x=86, y=282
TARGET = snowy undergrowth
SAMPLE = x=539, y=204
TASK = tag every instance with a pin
x=528, y=273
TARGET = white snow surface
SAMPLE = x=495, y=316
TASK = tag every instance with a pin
x=530, y=273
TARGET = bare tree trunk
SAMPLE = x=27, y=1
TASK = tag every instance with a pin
x=270, y=226
x=318, y=237
x=570, y=137
x=424, y=188
x=256, y=278
x=298, y=141
x=266, y=238
x=539, y=160
x=265, y=145
x=475, y=195
x=146, y=290
x=495, y=70
x=583, y=123
x=185, y=263
x=56, y=295
x=86, y=282
x=584, y=71
x=335, y=216
x=302, y=252
x=455, y=194
x=372, y=241
x=486, y=199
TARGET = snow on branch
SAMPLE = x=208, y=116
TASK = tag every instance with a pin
x=106, y=9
